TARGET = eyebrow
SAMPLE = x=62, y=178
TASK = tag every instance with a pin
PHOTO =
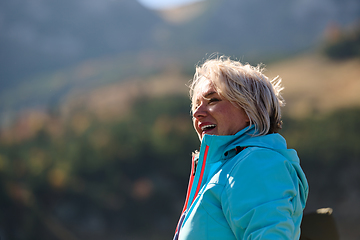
x=207, y=95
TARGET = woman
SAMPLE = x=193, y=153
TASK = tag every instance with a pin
x=244, y=182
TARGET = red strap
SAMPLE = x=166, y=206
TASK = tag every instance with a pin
x=191, y=180
x=201, y=173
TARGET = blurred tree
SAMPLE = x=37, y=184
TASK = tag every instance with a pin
x=127, y=178
x=343, y=45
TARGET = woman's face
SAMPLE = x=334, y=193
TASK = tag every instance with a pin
x=215, y=115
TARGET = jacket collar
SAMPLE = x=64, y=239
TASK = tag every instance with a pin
x=219, y=144
x=224, y=145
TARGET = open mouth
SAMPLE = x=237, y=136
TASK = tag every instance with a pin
x=208, y=127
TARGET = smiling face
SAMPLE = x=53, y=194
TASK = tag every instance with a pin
x=215, y=115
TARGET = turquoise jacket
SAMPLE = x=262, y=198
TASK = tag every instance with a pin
x=244, y=187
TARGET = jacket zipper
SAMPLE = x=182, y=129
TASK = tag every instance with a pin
x=191, y=181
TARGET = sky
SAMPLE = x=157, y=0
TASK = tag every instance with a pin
x=161, y=4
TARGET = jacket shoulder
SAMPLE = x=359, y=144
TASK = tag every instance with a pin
x=256, y=156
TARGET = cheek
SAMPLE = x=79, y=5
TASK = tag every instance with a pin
x=231, y=120
x=223, y=114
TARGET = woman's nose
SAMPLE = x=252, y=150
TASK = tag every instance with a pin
x=200, y=111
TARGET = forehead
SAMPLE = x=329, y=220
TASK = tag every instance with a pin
x=204, y=88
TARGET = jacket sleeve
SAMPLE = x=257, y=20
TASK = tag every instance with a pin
x=258, y=198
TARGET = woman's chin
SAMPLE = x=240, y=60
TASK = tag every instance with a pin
x=207, y=133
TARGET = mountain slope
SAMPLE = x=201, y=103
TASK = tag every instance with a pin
x=315, y=84
x=40, y=36
x=49, y=49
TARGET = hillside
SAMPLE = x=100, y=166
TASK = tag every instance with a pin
x=113, y=162
x=43, y=44
x=112, y=101
x=313, y=84
x=98, y=158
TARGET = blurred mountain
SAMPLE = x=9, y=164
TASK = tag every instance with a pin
x=50, y=48
x=40, y=36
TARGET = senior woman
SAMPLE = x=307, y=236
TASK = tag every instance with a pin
x=244, y=182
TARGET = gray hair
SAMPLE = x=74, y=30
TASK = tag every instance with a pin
x=245, y=86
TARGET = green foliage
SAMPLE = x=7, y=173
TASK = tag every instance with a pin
x=127, y=178
x=327, y=138
x=328, y=147
x=345, y=47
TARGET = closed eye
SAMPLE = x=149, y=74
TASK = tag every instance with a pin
x=211, y=100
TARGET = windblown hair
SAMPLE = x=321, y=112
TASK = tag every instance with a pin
x=245, y=86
